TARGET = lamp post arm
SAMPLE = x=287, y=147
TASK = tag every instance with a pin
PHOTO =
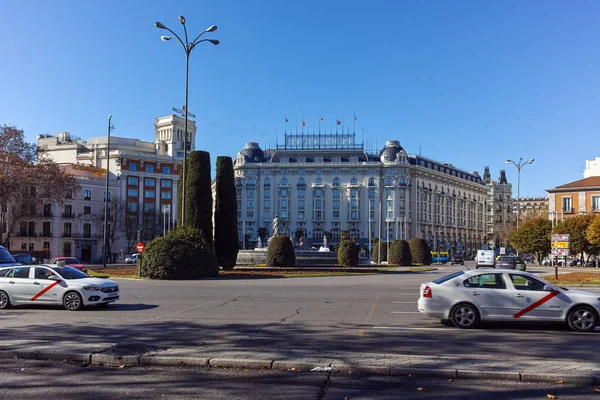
x=178, y=38
x=187, y=43
x=194, y=42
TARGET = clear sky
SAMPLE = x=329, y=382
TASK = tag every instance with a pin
x=467, y=82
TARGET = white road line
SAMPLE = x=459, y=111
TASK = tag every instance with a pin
x=405, y=312
x=399, y=328
x=408, y=294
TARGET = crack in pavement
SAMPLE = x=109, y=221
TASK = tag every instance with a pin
x=231, y=301
x=324, y=386
x=291, y=316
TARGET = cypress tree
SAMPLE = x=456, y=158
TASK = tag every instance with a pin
x=226, y=231
x=198, y=195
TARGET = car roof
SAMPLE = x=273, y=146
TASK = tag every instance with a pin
x=472, y=272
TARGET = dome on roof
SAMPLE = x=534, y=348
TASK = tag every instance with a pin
x=390, y=151
x=252, y=152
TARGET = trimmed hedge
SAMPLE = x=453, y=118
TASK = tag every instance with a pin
x=182, y=254
x=376, y=248
x=348, y=254
x=280, y=252
x=421, y=253
x=400, y=253
x=226, y=226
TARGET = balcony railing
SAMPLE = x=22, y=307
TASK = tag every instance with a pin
x=568, y=210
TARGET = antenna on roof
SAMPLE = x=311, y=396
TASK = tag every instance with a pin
x=420, y=147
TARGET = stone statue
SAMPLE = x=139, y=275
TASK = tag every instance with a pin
x=302, y=244
x=276, y=225
x=325, y=241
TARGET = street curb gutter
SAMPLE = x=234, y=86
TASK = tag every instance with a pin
x=109, y=360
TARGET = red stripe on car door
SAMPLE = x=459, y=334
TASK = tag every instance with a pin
x=34, y=298
x=536, y=304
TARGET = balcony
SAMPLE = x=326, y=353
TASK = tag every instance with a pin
x=568, y=210
x=68, y=215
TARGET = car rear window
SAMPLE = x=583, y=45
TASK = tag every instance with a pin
x=506, y=259
x=448, y=277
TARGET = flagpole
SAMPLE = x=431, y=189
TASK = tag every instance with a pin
x=302, y=138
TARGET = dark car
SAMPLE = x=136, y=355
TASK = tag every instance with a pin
x=6, y=260
x=457, y=260
x=25, y=259
x=506, y=262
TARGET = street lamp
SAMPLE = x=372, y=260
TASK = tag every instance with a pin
x=106, y=197
x=519, y=165
x=187, y=48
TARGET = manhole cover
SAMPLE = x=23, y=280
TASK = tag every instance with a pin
x=130, y=349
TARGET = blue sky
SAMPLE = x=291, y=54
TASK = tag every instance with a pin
x=467, y=82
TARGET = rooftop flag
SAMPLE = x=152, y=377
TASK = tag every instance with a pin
x=355, y=117
x=286, y=119
x=338, y=122
x=320, y=118
x=303, y=123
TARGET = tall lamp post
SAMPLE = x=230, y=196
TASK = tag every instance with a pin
x=106, y=196
x=187, y=48
x=519, y=165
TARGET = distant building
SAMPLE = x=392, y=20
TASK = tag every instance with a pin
x=530, y=206
x=592, y=168
x=498, y=209
x=328, y=184
x=574, y=198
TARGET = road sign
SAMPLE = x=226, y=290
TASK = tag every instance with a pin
x=561, y=237
x=561, y=252
x=502, y=250
x=560, y=245
x=139, y=247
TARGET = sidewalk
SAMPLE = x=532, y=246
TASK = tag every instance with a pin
x=468, y=367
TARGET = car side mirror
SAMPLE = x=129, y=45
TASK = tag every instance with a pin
x=54, y=278
x=548, y=288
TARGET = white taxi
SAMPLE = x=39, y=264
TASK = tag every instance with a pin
x=468, y=297
x=52, y=284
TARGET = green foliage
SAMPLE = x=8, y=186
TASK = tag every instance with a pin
x=421, y=253
x=226, y=225
x=182, y=254
x=280, y=252
x=533, y=237
x=198, y=197
x=262, y=232
x=345, y=235
x=377, y=248
x=400, y=253
x=348, y=254
x=577, y=227
x=298, y=234
x=593, y=232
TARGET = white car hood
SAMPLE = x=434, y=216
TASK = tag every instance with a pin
x=92, y=281
x=581, y=293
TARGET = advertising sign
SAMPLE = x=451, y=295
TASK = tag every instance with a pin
x=561, y=252
x=560, y=245
x=561, y=237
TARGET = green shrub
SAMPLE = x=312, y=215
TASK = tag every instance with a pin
x=182, y=254
x=379, y=246
x=348, y=254
x=198, y=195
x=226, y=226
x=280, y=252
x=421, y=253
x=400, y=253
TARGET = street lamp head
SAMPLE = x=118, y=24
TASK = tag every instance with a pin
x=165, y=38
x=530, y=161
x=507, y=162
x=211, y=28
x=109, y=117
x=159, y=25
x=182, y=19
x=214, y=41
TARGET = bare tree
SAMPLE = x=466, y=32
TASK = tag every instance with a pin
x=28, y=178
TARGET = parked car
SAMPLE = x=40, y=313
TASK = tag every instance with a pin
x=6, y=260
x=25, y=259
x=469, y=297
x=456, y=259
x=520, y=264
x=132, y=259
x=51, y=284
x=69, y=262
x=506, y=262
x=484, y=259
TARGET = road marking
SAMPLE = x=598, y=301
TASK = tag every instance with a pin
x=362, y=331
x=536, y=304
x=34, y=298
x=405, y=312
x=399, y=328
x=185, y=309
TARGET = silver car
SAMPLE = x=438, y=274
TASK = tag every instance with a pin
x=468, y=297
x=52, y=284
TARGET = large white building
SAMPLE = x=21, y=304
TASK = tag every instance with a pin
x=499, y=221
x=329, y=183
x=592, y=168
x=143, y=179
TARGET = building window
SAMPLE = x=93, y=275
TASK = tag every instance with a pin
x=336, y=193
x=301, y=182
x=301, y=203
x=165, y=183
x=132, y=180
x=87, y=194
x=353, y=181
x=319, y=181
x=284, y=192
x=165, y=195
x=150, y=168
x=267, y=182
x=267, y=193
x=301, y=215
x=148, y=207
x=149, y=182
x=67, y=229
x=66, y=249
x=132, y=207
x=284, y=182
x=371, y=181
x=132, y=166
x=68, y=211
x=47, y=210
x=301, y=193
x=87, y=230
x=132, y=192
x=250, y=194
x=46, y=229
x=566, y=204
x=336, y=182
x=166, y=170
x=595, y=203
x=149, y=194
x=87, y=210
x=104, y=196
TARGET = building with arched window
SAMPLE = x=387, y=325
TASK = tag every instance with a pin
x=326, y=186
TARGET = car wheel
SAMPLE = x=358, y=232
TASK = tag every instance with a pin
x=73, y=301
x=4, y=300
x=582, y=319
x=465, y=316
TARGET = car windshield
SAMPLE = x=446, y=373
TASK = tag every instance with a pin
x=70, y=261
x=70, y=273
x=448, y=277
x=5, y=257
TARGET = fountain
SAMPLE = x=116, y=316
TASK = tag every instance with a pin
x=325, y=247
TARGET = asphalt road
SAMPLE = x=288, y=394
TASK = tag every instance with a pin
x=366, y=314
x=40, y=379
